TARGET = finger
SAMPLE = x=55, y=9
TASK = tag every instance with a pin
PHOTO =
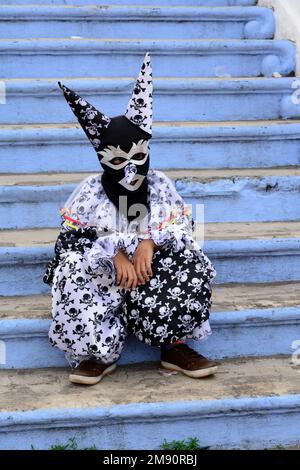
x=135, y=279
x=131, y=277
x=149, y=267
x=135, y=282
x=123, y=278
x=119, y=275
x=135, y=261
x=129, y=280
x=138, y=272
x=144, y=271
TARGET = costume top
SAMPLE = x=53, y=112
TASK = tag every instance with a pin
x=94, y=226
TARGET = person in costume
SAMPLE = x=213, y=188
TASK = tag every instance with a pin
x=125, y=260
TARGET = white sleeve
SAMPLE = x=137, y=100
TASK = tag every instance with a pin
x=171, y=223
x=88, y=206
x=171, y=220
x=78, y=208
x=106, y=247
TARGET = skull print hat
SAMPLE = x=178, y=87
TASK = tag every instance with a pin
x=121, y=142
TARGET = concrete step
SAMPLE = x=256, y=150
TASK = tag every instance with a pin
x=39, y=101
x=247, y=319
x=241, y=252
x=130, y=21
x=221, y=231
x=228, y=195
x=29, y=58
x=141, y=2
x=245, y=406
x=232, y=298
x=241, y=144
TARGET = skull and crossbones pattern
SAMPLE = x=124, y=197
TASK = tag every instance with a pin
x=80, y=282
x=166, y=312
x=181, y=275
x=175, y=293
x=88, y=301
x=92, y=316
x=151, y=302
x=166, y=264
x=196, y=284
x=156, y=283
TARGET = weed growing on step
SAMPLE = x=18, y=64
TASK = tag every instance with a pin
x=192, y=443
x=70, y=445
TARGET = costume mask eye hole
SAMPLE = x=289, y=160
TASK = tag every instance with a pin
x=138, y=156
x=117, y=160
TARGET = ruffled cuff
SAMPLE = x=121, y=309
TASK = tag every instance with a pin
x=174, y=237
x=100, y=255
x=178, y=239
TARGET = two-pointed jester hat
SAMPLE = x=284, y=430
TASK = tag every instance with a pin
x=121, y=142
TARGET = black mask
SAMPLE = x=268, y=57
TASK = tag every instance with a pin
x=121, y=143
x=125, y=160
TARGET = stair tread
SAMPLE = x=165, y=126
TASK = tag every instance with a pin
x=271, y=84
x=49, y=179
x=250, y=42
x=221, y=81
x=247, y=57
x=157, y=124
x=154, y=3
x=235, y=11
x=226, y=297
x=149, y=383
x=136, y=6
x=212, y=231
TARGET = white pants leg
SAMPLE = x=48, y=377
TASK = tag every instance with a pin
x=87, y=312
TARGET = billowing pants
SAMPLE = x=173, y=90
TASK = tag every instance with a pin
x=88, y=319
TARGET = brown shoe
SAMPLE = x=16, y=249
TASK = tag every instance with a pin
x=184, y=359
x=90, y=372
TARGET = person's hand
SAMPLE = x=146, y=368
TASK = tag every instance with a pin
x=126, y=275
x=142, y=260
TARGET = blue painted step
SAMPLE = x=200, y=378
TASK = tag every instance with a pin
x=244, y=318
x=236, y=260
x=229, y=198
x=240, y=199
x=256, y=332
x=141, y=2
x=40, y=101
x=133, y=22
x=28, y=58
x=41, y=149
x=243, y=407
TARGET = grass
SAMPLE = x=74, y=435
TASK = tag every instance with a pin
x=191, y=443
x=70, y=445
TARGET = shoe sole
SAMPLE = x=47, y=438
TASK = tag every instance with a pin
x=82, y=379
x=195, y=374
